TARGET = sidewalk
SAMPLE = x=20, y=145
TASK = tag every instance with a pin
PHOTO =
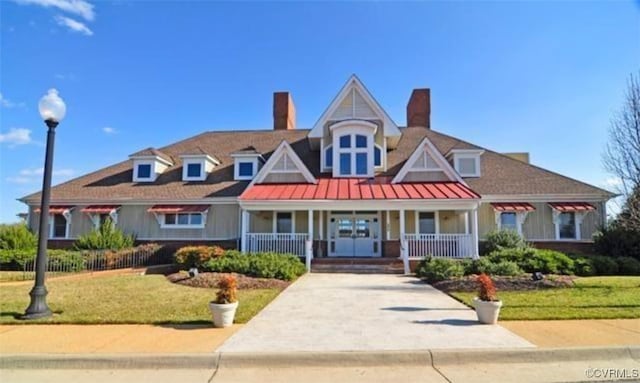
x=90, y=339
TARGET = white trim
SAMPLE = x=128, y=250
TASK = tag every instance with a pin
x=152, y=173
x=373, y=205
x=212, y=201
x=67, y=217
x=436, y=217
x=475, y=157
x=185, y=170
x=383, y=163
x=323, y=158
x=242, y=160
x=283, y=148
x=390, y=127
x=161, y=218
x=353, y=129
x=152, y=158
x=352, y=123
x=95, y=217
x=274, y=223
x=478, y=152
x=521, y=216
x=427, y=146
x=544, y=197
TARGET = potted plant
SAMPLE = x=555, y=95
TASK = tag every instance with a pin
x=487, y=303
x=223, y=309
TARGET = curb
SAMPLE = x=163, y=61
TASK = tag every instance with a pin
x=214, y=361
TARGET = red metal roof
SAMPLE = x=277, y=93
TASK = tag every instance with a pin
x=571, y=206
x=512, y=206
x=358, y=189
x=178, y=208
x=55, y=209
x=103, y=209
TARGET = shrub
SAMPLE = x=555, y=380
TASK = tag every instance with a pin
x=196, y=256
x=531, y=260
x=484, y=265
x=107, y=237
x=618, y=241
x=503, y=239
x=261, y=265
x=228, y=289
x=15, y=259
x=439, y=269
x=17, y=237
x=583, y=266
x=628, y=266
x=604, y=265
x=486, y=289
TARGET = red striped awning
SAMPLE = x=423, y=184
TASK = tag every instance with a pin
x=100, y=209
x=55, y=209
x=571, y=206
x=358, y=189
x=178, y=208
x=512, y=206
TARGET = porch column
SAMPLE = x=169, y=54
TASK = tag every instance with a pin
x=309, y=242
x=388, y=224
x=404, y=253
x=244, y=225
x=474, y=236
x=466, y=222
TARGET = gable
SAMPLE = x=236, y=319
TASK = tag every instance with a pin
x=426, y=164
x=284, y=166
x=354, y=106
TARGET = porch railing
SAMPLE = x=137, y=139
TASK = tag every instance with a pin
x=280, y=243
x=439, y=245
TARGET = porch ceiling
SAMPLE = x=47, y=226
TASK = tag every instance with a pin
x=379, y=188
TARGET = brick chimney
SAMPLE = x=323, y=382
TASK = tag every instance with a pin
x=419, y=108
x=284, y=112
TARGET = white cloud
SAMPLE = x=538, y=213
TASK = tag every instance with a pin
x=20, y=180
x=81, y=8
x=74, y=25
x=109, y=130
x=16, y=136
x=40, y=172
x=6, y=103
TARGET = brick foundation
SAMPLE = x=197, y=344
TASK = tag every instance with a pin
x=391, y=249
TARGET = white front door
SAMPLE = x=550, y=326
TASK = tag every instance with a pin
x=354, y=235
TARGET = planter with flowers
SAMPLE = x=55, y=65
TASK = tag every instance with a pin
x=487, y=304
x=223, y=309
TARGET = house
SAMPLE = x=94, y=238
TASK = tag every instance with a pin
x=354, y=185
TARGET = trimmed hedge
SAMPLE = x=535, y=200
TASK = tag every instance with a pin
x=260, y=265
x=439, y=269
x=532, y=260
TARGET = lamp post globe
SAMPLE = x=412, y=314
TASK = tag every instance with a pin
x=52, y=110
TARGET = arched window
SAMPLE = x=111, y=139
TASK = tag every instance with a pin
x=328, y=157
x=377, y=156
x=353, y=155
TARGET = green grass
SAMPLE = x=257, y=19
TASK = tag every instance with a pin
x=590, y=298
x=127, y=299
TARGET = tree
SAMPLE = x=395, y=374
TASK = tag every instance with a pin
x=622, y=154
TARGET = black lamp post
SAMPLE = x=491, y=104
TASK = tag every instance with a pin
x=52, y=110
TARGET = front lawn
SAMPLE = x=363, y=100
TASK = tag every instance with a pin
x=590, y=298
x=127, y=299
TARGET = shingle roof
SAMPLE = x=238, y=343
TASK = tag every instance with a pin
x=152, y=152
x=500, y=174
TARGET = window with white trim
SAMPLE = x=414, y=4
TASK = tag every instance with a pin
x=426, y=222
x=193, y=171
x=377, y=156
x=508, y=221
x=567, y=225
x=328, y=157
x=183, y=220
x=143, y=172
x=284, y=222
x=353, y=155
x=467, y=161
x=59, y=227
x=245, y=167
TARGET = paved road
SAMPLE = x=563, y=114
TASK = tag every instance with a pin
x=351, y=312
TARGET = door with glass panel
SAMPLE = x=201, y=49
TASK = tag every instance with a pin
x=354, y=235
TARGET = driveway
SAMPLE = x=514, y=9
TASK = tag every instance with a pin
x=348, y=312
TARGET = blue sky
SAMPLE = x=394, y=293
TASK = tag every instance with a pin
x=542, y=77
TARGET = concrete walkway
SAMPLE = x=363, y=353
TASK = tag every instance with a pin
x=351, y=312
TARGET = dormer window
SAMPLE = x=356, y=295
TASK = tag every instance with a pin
x=148, y=164
x=466, y=161
x=247, y=164
x=196, y=167
x=353, y=149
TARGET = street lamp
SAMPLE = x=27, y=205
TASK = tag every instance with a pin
x=52, y=110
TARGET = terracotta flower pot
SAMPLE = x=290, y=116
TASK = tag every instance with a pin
x=223, y=313
x=487, y=311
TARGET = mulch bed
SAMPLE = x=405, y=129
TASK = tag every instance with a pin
x=524, y=282
x=210, y=280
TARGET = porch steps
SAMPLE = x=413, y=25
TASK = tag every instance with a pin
x=357, y=265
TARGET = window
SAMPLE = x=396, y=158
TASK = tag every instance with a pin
x=361, y=164
x=567, y=222
x=328, y=157
x=345, y=141
x=345, y=163
x=361, y=141
x=103, y=218
x=508, y=221
x=59, y=226
x=427, y=223
x=284, y=222
x=467, y=166
x=245, y=169
x=144, y=171
x=194, y=170
x=183, y=220
x=354, y=153
x=467, y=162
x=377, y=156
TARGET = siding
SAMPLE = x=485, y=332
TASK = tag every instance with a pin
x=285, y=178
x=414, y=176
